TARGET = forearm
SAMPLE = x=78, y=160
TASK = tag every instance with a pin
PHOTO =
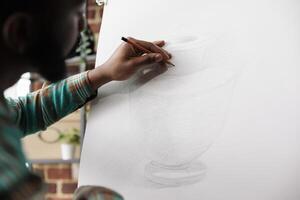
x=98, y=77
x=40, y=109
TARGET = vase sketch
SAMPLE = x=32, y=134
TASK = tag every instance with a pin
x=182, y=111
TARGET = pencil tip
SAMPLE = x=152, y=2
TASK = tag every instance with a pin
x=171, y=63
x=124, y=39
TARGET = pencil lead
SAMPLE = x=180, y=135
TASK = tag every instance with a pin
x=124, y=39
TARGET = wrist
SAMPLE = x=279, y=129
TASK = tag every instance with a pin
x=98, y=77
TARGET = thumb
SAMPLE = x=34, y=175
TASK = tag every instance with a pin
x=147, y=59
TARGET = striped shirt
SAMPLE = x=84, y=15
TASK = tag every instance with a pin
x=29, y=114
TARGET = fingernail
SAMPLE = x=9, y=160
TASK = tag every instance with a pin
x=158, y=57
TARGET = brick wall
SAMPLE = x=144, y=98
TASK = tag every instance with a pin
x=60, y=179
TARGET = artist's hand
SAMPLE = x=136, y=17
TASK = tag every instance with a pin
x=127, y=60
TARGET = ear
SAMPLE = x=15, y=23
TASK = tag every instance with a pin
x=18, y=32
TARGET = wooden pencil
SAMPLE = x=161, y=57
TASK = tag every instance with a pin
x=141, y=48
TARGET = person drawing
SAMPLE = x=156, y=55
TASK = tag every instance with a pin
x=35, y=37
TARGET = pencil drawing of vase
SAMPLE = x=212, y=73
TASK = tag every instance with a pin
x=182, y=111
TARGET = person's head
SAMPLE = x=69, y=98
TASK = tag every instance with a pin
x=40, y=33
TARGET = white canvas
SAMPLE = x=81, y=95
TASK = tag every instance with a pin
x=221, y=124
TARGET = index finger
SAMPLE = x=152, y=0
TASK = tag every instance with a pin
x=153, y=48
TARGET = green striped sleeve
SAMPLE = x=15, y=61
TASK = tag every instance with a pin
x=16, y=182
x=42, y=108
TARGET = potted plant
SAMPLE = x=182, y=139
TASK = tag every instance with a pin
x=69, y=140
